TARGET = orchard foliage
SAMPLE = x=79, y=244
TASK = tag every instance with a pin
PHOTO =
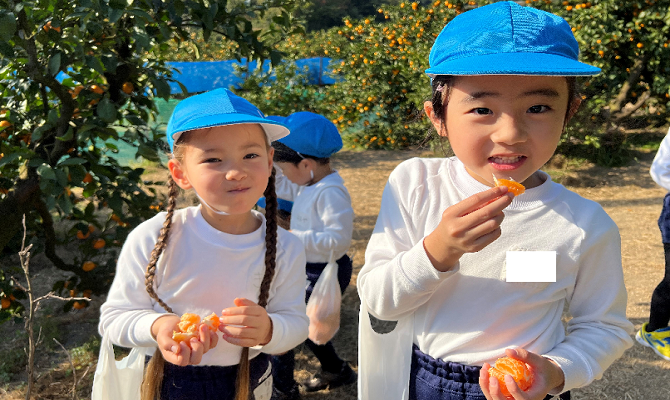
x=379, y=61
x=59, y=137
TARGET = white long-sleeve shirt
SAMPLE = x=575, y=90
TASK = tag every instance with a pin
x=471, y=314
x=660, y=167
x=202, y=271
x=322, y=216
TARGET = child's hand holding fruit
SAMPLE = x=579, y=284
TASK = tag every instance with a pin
x=187, y=352
x=532, y=381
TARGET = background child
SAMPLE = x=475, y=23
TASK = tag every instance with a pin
x=322, y=218
x=202, y=259
x=656, y=333
x=438, y=261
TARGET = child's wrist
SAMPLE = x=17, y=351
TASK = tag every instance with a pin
x=442, y=260
x=557, y=380
x=268, y=337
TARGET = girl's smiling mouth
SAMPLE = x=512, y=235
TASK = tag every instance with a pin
x=238, y=190
x=504, y=163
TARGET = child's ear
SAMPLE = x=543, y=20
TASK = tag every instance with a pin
x=178, y=174
x=271, y=154
x=574, y=106
x=434, y=119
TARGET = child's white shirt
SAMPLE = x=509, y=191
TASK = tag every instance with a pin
x=322, y=215
x=471, y=314
x=202, y=271
x=660, y=167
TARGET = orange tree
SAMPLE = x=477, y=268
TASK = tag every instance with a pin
x=59, y=135
x=629, y=41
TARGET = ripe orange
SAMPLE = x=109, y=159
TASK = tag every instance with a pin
x=82, y=236
x=88, y=178
x=189, y=322
x=5, y=302
x=76, y=91
x=514, y=187
x=78, y=305
x=5, y=124
x=99, y=244
x=87, y=293
x=516, y=369
x=127, y=88
x=88, y=266
x=96, y=89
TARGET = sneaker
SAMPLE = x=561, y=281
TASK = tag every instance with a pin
x=329, y=380
x=293, y=394
x=658, y=340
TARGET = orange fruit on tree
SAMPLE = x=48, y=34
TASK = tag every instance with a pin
x=5, y=124
x=99, y=244
x=81, y=235
x=87, y=293
x=513, y=186
x=96, y=89
x=88, y=266
x=5, y=302
x=516, y=369
x=127, y=88
x=88, y=178
x=78, y=305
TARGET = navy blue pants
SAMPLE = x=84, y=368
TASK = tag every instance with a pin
x=659, y=315
x=209, y=382
x=283, y=365
x=434, y=379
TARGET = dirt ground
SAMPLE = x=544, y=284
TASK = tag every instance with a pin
x=628, y=195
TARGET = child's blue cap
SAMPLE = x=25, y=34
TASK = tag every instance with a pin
x=312, y=134
x=507, y=39
x=215, y=108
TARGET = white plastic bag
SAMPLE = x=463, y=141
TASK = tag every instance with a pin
x=118, y=380
x=323, y=307
x=384, y=360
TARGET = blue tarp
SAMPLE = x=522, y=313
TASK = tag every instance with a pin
x=201, y=76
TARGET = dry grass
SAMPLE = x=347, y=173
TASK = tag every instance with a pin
x=628, y=195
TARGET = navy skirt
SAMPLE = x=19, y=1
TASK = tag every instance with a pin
x=211, y=382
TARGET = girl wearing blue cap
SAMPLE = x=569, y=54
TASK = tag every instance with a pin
x=466, y=282
x=221, y=255
x=323, y=219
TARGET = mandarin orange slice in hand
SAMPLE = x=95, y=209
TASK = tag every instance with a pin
x=212, y=321
x=188, y=328
x=515, y=368
x=512, y=185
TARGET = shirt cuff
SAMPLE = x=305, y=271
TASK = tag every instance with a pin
x=575, y=375
x=143, y=329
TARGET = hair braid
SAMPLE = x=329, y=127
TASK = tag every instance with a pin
x=153, y=378
x=242, y=384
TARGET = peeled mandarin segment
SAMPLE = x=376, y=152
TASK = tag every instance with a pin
x=189, y=322
x=212, y=321
x=514, y=187
x=516, y=369
x=183, y=337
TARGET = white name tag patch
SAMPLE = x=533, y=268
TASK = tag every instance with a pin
x=531, y=266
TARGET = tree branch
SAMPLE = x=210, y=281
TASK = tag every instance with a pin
x=50, y=237
x=628, y=111
x=19, y=201
x=617, y=104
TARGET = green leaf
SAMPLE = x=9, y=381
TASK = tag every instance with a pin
x=46, y=172
x=9, y=158
x=106, y=110
x=147, y=152
x=7, y=26
x=72, y=161
x=68, y=135
x=54, y=64
x=95, y=64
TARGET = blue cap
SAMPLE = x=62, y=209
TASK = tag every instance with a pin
x=216, y=108
x=312, y=134
x=507, y=39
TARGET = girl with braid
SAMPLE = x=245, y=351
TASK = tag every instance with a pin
x=219, y=257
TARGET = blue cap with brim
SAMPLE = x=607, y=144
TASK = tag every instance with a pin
x=216, y=108
x=312, y=134
x=505, y=38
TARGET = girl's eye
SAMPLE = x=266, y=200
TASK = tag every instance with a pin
x=250, y=156
x=538, y=109
x=482, y=111
x=211, y=160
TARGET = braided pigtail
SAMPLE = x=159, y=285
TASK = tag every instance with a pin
x=153, y=378
x=242, y=384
